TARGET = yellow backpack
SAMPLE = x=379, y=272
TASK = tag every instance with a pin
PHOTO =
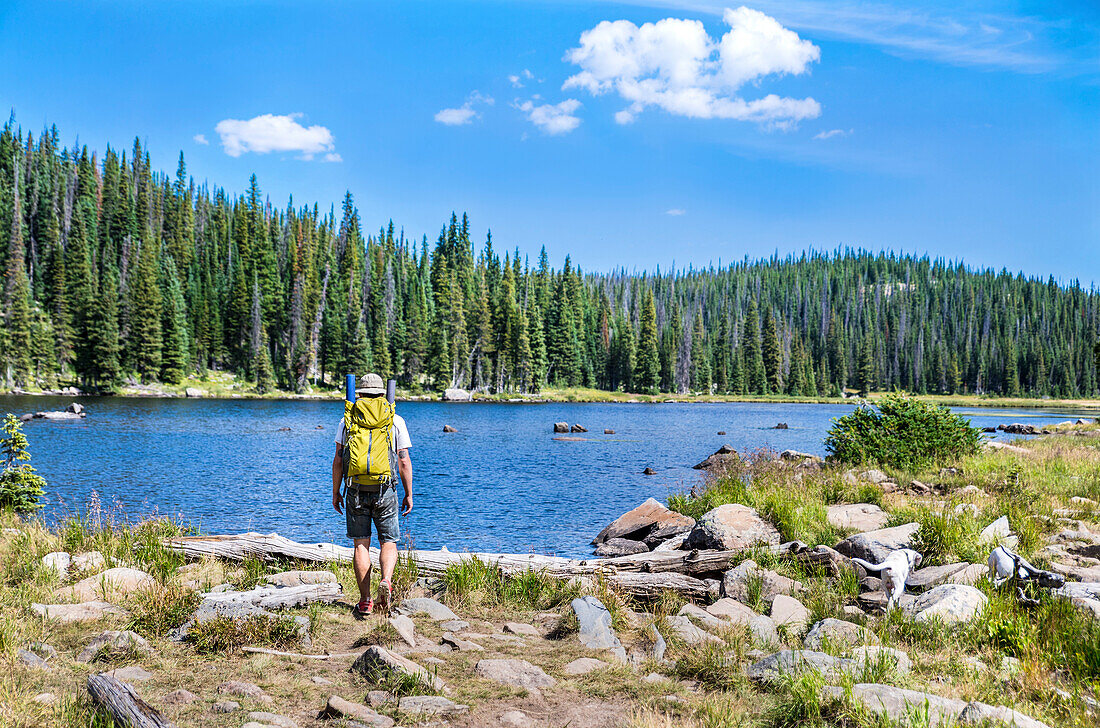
x=368, y=458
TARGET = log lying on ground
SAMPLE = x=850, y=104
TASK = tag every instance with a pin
x=280, y=653
x=124, y=704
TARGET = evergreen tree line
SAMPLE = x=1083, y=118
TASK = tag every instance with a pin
x=116, y=272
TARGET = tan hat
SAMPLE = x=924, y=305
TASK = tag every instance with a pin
x=370, y=384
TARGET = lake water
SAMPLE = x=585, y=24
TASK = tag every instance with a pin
x=500, y=484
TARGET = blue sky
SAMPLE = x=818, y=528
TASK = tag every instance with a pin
x=781, y=126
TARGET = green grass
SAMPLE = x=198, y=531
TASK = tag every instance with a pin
x=473, y=581
x=223, y=633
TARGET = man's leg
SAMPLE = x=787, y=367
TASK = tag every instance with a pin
x=389, y=561
x=361, y=563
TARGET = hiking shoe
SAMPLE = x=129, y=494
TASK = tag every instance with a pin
x=385, y=595
x=364, y=608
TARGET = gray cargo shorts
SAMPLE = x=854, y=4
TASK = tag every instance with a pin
x=381, y=508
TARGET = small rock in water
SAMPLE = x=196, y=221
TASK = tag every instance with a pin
x=781, y=426
x=578, y=428
x=608, y=432
x=448, y=428
x=561, y=427
x=721, y=432
x=649, y=471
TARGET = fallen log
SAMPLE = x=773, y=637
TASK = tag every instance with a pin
x=123, y=703
x=280, y=653
x=277, y=597
x=650, y=586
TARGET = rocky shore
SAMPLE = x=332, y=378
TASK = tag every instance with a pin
x=705, y=614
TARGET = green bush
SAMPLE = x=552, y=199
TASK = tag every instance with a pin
x=901, y=432
x=20, y=487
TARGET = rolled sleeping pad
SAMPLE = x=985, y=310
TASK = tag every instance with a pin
x=391, y=390
x=349, y=387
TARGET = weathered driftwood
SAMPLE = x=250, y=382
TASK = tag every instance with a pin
x=650, y=586
x=278, y=597
x=267, y=546
x=124, y=704
x=684, y=562
x=280, y=653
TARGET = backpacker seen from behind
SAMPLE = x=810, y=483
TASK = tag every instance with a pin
x=368, y=457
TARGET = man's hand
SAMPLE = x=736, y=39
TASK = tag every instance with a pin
x=407, y=505
x=338, y=502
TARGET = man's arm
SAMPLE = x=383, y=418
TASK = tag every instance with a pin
x=405, y=468
x=338, y=479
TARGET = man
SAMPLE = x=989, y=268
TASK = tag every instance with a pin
x=378, y=506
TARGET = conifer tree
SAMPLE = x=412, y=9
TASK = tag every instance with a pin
x=144, y=335
x=173, y=363
x=771, y=354
x=700, y=357
x=756, y=380
x=17, y=292
x=647, y=365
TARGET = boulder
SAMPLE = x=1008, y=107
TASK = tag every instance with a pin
x=949, y=603
x=225, y=706
x=969, y=575
x=595, y=626
x=91, y=562
x=454, y=625
x=673, y=544
x=578, y=428
x=405, y=628
x=424, y=605
x=131, y=673
x=119, y=580
x=976, y=713
x=241, y=689
x=377, y=662
x=515, y=719
x=75, y=408
x=876, y=600
x=517, y=673
x=57, y=562
x=379, y=698
x=721, y=432
x=788, y=612
x=899, y=704
x=731, y=526
x=739, y=582
x=790, y=663
x=998, y=533
x=448, y=428
x=799, y=457
x=421, y=706
x=113, y=640
x=838, y=634
x=1005, y=447
x=519, y=628
x=32, y=660
x=647, y=520
x=686, y=630
x=722, y=457
x=83, y=612
x=59, y=415
x=180, y=697
x=874, y=546
x=460, y=644
x=561, y=427
x=298, y=578
x=583, y=666
x=930, y=576
x=1017, y=428
x=337, y=707
x=194, y=393
x=874, y=476
x=456, y=394
x=271, y=719
x=856, y=517
x=620, y=547
x=761, y=627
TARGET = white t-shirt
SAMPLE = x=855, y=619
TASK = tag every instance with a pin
x=399, y=435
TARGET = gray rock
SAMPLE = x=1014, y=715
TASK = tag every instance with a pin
x=194, y=393
x=560, y=427
x=180, y=697
x=380, y=698
x=838, y=634
x=790, y=613
x=226, y=706
x=377, y=661
x=298, y=578
x=318, y=680
x=874, y=546
x=595, y=626
x=898, y=704
x=91, y=561
x=672, y=544
x=32, y=660
x=42, y=650
x=119, y=580
x=998, y=533
x=515, y=719
x=949, y=603
x=517, y=673
x=424, y=605
x=243, y=689
x=337, y=707
x=686, y=630
x=522, y=629
x=731, y=526
x=722, y=458
x=430, y=705
x=460, y=644
x=113, y=640
x=875, y=601
x=45, y=698
x=405, y=628
x=456, y=394
x=774, y=668
x=796, y=456
x=583, y=666
x=761, y=627
x=651, y=521
x=659, y=646
x=874, y=476
x=58, y=563
x=969, y=575
x=75, y=408
x=737, y=583
x=976, y=713
x=454, y=625
x=930, y=576
x=698, y=614
x=856, y=517
x=131, y=673
x=449, y=428
x=280, y=721
x=620, y=547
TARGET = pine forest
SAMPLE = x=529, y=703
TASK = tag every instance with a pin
x=115, y=272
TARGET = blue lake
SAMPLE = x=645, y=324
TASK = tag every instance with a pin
x=501, y=483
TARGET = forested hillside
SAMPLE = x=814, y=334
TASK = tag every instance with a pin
x=115, y=271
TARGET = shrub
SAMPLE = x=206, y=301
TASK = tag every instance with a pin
x=20, y=487
x=224, y=633
x=157, y=610
x=901, y=432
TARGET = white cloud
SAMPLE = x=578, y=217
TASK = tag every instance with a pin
x=200, y=139
x=273, y=133
x=552, y=118
x=517, y=79
x=463, y=114
x=333, y=157
x=675, y=212
x=823, y=135
x=675, y=65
